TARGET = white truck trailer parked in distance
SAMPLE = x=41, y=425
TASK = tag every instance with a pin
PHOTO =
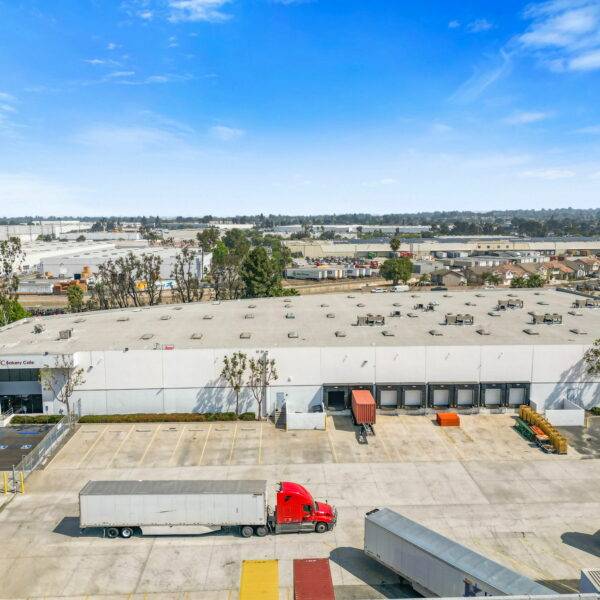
x=437, y=566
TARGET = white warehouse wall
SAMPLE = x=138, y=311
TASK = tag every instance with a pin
x=189, y=380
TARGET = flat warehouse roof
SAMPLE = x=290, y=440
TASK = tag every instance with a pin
x=313, y=321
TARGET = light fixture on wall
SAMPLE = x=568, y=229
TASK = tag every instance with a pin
x=364, y=363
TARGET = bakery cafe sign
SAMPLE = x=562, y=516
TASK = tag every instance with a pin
x=22, y=362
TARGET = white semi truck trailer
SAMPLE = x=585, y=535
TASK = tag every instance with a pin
x=199, y=506
x=437, y=566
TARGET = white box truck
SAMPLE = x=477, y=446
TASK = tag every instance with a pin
x=437, y=566
x=200, y=506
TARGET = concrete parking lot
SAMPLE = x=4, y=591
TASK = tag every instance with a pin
x=482, y=485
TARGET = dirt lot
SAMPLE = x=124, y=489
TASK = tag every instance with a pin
x=483, y=485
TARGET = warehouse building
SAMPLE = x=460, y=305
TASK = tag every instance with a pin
x=487, y=349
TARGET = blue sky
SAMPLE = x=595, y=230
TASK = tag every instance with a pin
x=289, y=106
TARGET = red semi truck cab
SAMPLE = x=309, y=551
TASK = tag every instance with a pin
x=297, y=511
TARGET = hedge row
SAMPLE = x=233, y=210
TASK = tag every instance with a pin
x=596, y=411
x=167, y=417
x=35, y=419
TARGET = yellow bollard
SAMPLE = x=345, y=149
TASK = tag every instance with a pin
x=22, y=486
x=5, y=483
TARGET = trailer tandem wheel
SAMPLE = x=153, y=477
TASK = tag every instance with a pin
x=246, y=531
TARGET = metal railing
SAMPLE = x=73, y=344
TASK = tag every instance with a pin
x=35, y=458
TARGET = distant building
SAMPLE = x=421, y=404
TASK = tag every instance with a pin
x=448, y=278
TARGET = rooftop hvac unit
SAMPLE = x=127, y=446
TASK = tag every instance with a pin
x=65, y=334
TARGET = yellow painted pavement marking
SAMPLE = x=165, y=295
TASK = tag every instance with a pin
x=92, y=447
x=177, y=445
x=110, y=462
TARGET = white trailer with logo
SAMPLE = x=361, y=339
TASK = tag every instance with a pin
x=435, y=565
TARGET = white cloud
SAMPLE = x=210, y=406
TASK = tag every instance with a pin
x=126, y=137
x=95, y=61
x=454, y=24
x=7, y=108
x=479, y=25
x=564, y=34
x=112, y=46
x=592, y=129
x=172, y=42
x=120, y=74
x=588, y=61
x=7, y=97
x=147, y=15
x=482, y=79
x=524, y=118
x=226, y=134
x=440, y=128
x=549, y=174
x=197, y=10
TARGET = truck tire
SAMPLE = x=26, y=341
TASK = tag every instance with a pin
x=321, y=527
x=112, y=532
x=260, y=531
x=126, y=532
x=246, y=531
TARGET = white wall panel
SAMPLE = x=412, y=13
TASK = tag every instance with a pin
x=403, y=364
x=506, y=363
x=558, y=363
x=189, y=368
x=134, y=401
x=300, y=366
x=134, y=369
x=90, y=402
x=453, y=364
x=348, y=365
x=94, y=369
x=297, y=397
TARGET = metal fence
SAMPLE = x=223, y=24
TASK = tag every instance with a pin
x=35, y=458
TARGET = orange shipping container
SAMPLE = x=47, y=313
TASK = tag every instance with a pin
x=448, y=420
x=363, y=407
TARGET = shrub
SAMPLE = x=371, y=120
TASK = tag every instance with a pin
x=596, y=411
x=166, y=417
x=35, y=419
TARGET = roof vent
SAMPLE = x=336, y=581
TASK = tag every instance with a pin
x=470, y=304
x=388, y=333
x=177, y=307
x=360, y=305
x=396, y=304
x=480, y=295
x=245, y=335
x=578, y=331
x=38, y=328
x=207, y=317
x=324, y=305
x=494, y=313
x=435, y=332
x=483, y=332
x=290, y=316
x=537, y=293
x=340, y=334
x=447, y=296
x=412, y=315
x=165, y=317
x=574, y=313
x=331, y=315
x=65, y=334
x=542, y=303
x=122, y=319
x=512, y=295
x=147, y=336
x=292, y=334
x=251, y=305
x=80, y=320
x=196, y=336
x=350, y=296
x=530, y=331
x=248, y=316
x=216, y=302
x=396, y=313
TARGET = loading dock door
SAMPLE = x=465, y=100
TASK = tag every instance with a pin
x=465, y=397
x=388, y=398
x=336, y=400
x=413, y=397
x=516, y=396
x=441, y=397
x=492, y=397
